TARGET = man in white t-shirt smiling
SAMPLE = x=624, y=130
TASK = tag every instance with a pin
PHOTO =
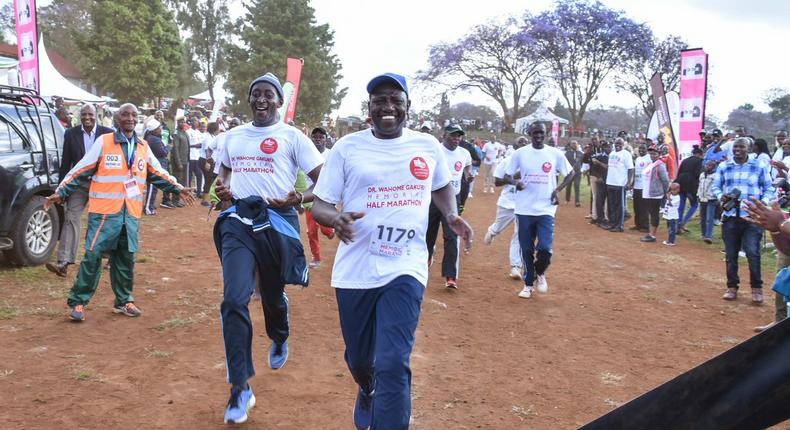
x=619, y=178
x=258, y=166
x=384, y=179
x=536, y=203
x=459, y=162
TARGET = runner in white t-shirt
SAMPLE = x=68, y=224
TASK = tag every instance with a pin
x=506, y=212
x=536, y=203
x=459, y=162
x=619, y=178
x=259, y=244
x=384, y=179
x=493, y=152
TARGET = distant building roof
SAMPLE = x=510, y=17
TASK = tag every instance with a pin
x=62, y=65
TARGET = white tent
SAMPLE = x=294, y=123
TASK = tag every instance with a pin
x=53, y=84
x=542, y=114
x=219, y=94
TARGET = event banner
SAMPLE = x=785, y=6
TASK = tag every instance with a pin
x=291, y=88
x=27, y=43
x=665, y=123
x=693, y=86
x=555, y=131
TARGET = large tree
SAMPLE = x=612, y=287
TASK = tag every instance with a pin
x=132, y=48
x=758, y=124
x=270, y=32
x=60, y=22
x=207, y=24
x=491, y=58
x=778, y=99
x=582, y=43
x=665, y=59
x=7, y=23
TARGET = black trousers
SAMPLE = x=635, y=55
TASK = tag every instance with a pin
x=599, y=188
x=577, y=182
x=452, y=258
x=641, y=219
x=615, y=202
x=653, y=209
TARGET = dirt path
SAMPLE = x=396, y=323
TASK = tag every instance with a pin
x=620, y=317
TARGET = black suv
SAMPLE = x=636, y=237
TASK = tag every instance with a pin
x=31, y=141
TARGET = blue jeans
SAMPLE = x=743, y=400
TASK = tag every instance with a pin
x=692, y=197
x=739, y=233
x=531, y=228
x=378, y=328
x=672, y=229
x=707, y=214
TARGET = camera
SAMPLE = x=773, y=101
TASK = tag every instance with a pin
x=782, y=192
x=730, y=200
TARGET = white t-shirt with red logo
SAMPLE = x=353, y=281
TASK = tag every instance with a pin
x=539, y=168
x=390, y=181
x=493, y=152
x=620, y=162
x=457, y=160
x=265, y=160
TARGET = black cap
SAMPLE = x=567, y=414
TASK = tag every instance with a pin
x=454, y=128
x=716, y=132
x=320, y=129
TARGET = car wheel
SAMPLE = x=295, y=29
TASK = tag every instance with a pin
x=35, y=233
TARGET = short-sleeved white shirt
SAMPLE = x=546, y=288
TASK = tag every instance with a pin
x=507, y=198
x=390, y=181
x=457, y=161
x=539, y=169
x=491, y=152
x=640, y=164
x=265, y=160
x=619, y=164
x=195, y=138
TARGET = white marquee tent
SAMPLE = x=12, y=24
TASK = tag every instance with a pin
x=542, y=114
x=53, y=84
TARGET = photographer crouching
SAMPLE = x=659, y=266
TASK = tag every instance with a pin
x=739, y=180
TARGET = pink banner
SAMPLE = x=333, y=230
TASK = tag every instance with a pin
x=27, y=43
x=555, y=131
x=693, y=86
x=293, y=76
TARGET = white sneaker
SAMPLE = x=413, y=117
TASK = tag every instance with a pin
x=515, y=272
x=543, y=286
x=525, y=293
x=489, y=238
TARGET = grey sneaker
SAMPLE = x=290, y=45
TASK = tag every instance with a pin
x=128, y=309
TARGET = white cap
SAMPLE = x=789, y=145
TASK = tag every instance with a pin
x=152, y=125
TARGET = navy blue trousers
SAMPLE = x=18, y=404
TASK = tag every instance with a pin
x=378, y=328
x=242, y=259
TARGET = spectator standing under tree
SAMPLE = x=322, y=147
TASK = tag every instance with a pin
x=179, y=159
x=193, y=166
x=619, y=178
x=641, y=218
x=656, y=185
x=737, y=180
x=574, y=157
x=598, y=175
x=688, y=180
x=707, y=201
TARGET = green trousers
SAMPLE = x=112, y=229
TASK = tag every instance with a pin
x=121, y=273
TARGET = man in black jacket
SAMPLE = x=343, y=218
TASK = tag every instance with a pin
x=76, y=142
x=688, y=178
x=153, y=135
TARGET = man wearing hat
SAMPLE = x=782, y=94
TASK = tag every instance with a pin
x=459, y=162
x=258, y=236
x=76, y=142
x=385, y=180
x=153, y=135
x=318, y=136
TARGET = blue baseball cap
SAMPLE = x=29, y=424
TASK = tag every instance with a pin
x=393, y=78
x=270, y=78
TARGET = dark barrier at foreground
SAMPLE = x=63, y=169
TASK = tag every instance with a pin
x=744, y=388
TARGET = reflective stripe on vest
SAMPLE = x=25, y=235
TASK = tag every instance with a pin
x=107, y=192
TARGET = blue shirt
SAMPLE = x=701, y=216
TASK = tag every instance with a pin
x=752, y=178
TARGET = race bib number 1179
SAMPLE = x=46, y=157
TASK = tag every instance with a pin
x=391, y=241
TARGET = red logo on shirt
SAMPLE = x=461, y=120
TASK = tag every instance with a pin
x=269, y=146
x=458, y=166
x=141, y=164
x=419, y=168
x=547, y=167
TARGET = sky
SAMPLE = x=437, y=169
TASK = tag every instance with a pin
x=746, y=45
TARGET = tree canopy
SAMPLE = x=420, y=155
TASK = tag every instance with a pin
x=270, y=32
x=131, y=48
